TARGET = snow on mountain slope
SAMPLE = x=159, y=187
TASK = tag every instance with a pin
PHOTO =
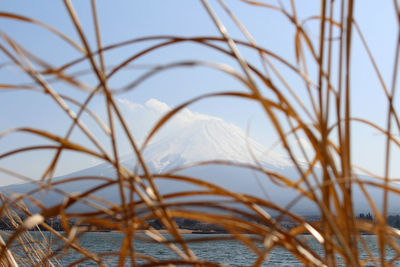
x=192, y=137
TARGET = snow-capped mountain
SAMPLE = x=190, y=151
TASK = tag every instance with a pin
x=192, y=137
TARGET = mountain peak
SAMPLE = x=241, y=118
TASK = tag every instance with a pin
x=193, y=137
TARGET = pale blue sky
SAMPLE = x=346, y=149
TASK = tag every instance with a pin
x=124, y=20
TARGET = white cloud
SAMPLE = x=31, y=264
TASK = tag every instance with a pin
x=130, y=105
x=157, y=105
x=154, y=109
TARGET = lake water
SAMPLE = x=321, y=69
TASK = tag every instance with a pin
x=230, y=252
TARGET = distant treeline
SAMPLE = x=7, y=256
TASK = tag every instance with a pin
x=190, y=225
x=195, y=225
x=392, y=220
x=56, y=224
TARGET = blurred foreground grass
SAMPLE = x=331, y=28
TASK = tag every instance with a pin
x=322, y=115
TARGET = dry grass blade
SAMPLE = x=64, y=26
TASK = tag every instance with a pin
x=41, y=24
x=61, y=141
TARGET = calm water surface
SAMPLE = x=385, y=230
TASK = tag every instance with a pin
x=230, y=252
